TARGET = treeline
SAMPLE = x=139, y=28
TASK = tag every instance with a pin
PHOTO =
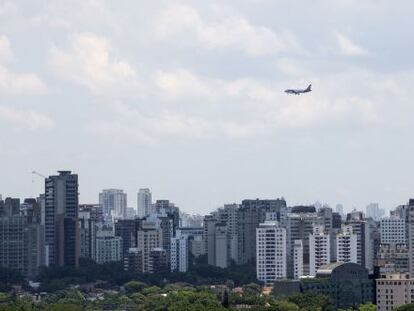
x=172, y=297
x=57, y=278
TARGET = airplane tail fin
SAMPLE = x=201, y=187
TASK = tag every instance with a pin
x=309, y=88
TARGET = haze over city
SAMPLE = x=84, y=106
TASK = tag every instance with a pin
x=186, y=98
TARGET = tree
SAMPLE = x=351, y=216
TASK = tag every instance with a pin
x=151, y=290
x=310, y=302
x=135, y=286
x=283, y=305
x=368, y=307
x=408, y=307
x=63, y=307
x=225, y=299
x=252, y=289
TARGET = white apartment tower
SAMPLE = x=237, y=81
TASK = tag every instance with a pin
x=297, y=259
x=179, y=252
x=144, y=202
x=271, y=252
x=346, y=245
x=319, y=249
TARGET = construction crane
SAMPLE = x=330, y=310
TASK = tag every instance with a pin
x=38, y=174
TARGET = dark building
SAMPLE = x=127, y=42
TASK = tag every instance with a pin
x=20, y=240
x=167, y=227
x=303, y=209
x=127, y=229
x=336, y=220
x=158, y=261
x=133, y=260
x=61, y=219
x=95, y=211
x=11, y=207
x=172, y=211
x=348, y=284
x=250, y=214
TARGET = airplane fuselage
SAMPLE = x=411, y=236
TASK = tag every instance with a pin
x=299, y=91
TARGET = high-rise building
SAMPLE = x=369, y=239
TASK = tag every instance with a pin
x=61, y=219
x=339, y=209
x=144, y=202
x=87, y=234
x=361, y=229
x=346, y=245
x=336, y=221
x=158, y=261
x=229, y=215
x=271, y=252
x=374, y=212
x=393, y=230
x=21, y=238
x=168, y=208
x=394, y=290
x=127, y=229
x=191, y=221
x=297, y=259
x=114, y=203
x=195, y=240
x=410, y=237
x=95, y=211
x=216, y=242
x=250, y=214
x=392, y=258
x=108, y=247
x=319, y=249
x=180, y=252
x=222, y=244
x=299, y=226
x=149, y=237
x=133, y=260
x=325, y=215
x=210, y=238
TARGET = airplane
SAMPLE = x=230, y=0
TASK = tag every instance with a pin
x=298, y=92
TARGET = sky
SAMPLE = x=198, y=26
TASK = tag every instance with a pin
x=186, y=98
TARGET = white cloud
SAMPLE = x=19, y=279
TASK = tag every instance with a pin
x=88, y=61
x=13, y=83
x=348, y=47
x=25, y=118
x=6, y=52
x=183, y=83
x=231, y=32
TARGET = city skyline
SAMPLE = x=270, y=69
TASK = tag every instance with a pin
x=132, y=201
x=186, y=98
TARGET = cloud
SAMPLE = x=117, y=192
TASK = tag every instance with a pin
x=230, y=32
x=183, y=83
x=196, y=107
x=347, y=47
x=25, y=118
x=6, y=52
x=13, y=83
x=89, y=61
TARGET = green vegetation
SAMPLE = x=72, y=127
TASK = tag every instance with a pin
x=174, y=297
x=58, y=278
x=409, y=307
